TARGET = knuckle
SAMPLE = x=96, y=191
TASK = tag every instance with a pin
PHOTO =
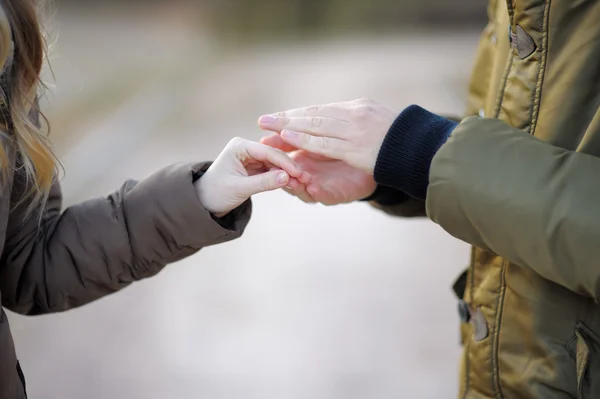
x=315, y=121
x=325, y=143
x=306, y=140
x=236, y=142
x=362, y=100
x=363, y=111
x=311, y=110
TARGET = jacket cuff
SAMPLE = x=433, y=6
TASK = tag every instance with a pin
x=387, y=196
x=408, y=148
x=174, y=211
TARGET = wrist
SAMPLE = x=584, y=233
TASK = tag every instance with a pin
x=204, y=192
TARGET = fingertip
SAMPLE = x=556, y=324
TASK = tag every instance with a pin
x=282, y=179
x=259, y=121
x=266, y=121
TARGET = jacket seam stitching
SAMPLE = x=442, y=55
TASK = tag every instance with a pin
x=472, y=277
x=500, y=301
x=467, y=370
x=497, y=388
x=500, y=98
x=537, y=94
x=511, y=58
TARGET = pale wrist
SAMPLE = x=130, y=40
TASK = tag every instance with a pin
x=204, y=196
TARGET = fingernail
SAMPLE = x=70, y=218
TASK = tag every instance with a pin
x=282, y=178
x=267, y=119
x=289, y=134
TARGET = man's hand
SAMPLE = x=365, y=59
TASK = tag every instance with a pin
x=352, y=132
x=332, y=181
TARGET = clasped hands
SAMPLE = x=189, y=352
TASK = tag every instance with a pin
x=337, y=144
x=325, y=153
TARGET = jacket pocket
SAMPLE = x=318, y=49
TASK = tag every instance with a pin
x=586, y=348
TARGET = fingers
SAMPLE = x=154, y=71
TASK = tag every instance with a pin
x=272, y=156
x=341, y=111
x=325, y=146
x=299, y=190
x=314, y=125
x=275, y=141
x=268, y=181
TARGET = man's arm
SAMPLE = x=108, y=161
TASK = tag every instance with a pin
x=499, y=188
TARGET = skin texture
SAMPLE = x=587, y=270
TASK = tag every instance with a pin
x=349, y=131
x=337, y=143
x=243, y=169
x=333, y=182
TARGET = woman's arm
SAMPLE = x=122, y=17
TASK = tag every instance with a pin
x=102, y=245
x=99, y=246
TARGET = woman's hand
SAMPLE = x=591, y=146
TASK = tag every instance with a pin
x=352, y=132
x=243, y=169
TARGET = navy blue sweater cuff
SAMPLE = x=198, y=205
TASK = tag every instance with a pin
x=408, y=148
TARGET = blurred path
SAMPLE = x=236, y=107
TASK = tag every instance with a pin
x=312, y=302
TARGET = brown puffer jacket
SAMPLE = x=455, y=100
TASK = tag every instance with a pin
x=97, y=247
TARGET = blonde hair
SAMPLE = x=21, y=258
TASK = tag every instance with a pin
x=22, y=56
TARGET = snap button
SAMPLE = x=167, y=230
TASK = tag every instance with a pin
x=463, y=311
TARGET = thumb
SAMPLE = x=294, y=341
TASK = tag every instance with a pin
x=268, y=181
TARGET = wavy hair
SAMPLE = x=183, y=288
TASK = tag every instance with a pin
x=22, y=56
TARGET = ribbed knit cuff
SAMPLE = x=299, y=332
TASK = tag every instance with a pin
x=408, y=148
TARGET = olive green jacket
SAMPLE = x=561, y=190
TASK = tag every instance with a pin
x=519, y=180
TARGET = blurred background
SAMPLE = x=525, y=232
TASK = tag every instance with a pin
x=313, y=302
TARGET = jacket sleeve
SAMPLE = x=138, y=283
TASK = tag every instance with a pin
x=498, y=188
x=68, y=259
x=399, y=204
